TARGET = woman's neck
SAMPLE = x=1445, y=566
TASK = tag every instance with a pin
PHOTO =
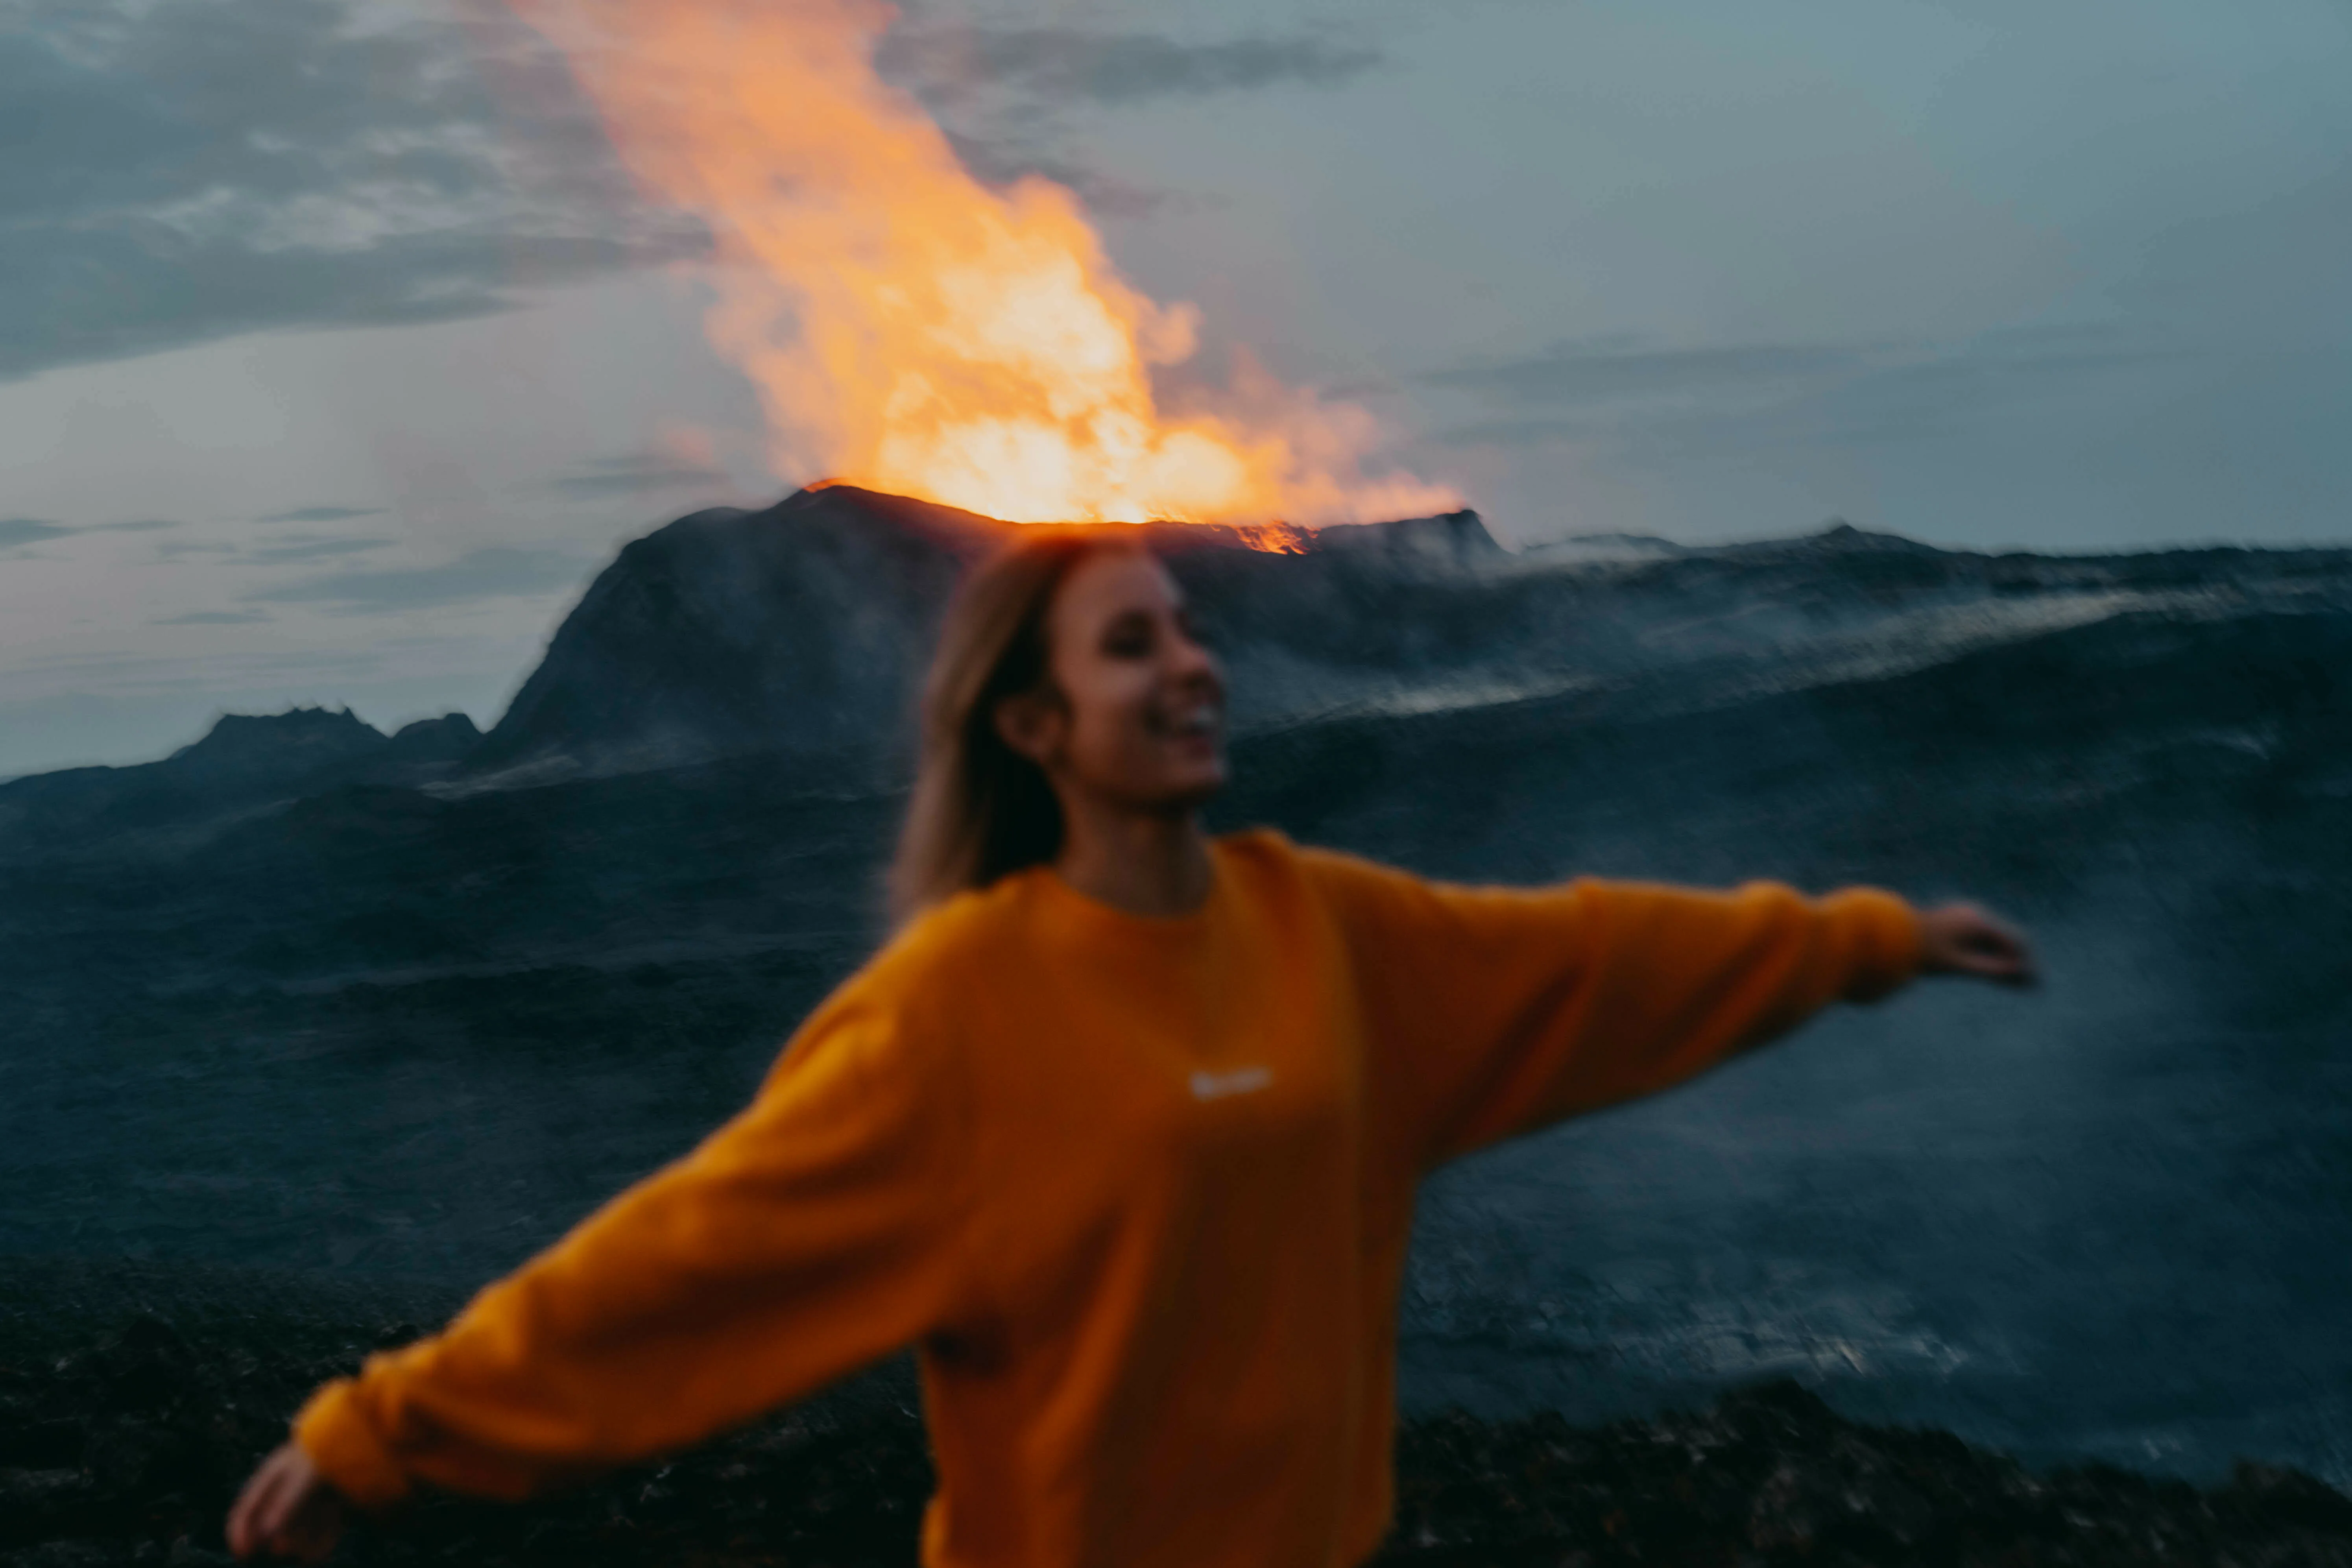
x=1146, y=863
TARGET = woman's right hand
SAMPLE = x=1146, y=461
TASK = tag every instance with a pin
x=287, y=1509
x=1961, y=939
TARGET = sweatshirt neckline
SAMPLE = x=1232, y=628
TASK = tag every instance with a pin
x=1092, y=911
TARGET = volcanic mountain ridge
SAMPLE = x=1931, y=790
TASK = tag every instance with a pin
x=798, y=632
x=801, y=629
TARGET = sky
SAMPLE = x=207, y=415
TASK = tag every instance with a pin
x=337, y=354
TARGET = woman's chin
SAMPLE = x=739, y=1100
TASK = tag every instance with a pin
x=1189, y=787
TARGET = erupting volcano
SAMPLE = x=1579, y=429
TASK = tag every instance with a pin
x=911, y=329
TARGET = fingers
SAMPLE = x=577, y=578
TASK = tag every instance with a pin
x=240, y=1516
x=287, y=1509
x=260, y=1510
x=2002, y=950
x=1963, y=940
x=2008, y=968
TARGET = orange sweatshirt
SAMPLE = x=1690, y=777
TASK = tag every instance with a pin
x=1138, y=1190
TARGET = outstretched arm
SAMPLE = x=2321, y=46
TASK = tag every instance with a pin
x=1493, y=1011
x=817, y=1232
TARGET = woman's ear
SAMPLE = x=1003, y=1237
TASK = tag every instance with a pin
x=1031, y=724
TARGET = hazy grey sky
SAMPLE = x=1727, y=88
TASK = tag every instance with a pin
x=335, y=356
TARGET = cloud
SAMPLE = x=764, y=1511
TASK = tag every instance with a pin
x=497, y=571
x=212, y=618
x=32, y=531
x=321, y=514
x=1605, y=370
x=2004, y=377
x=1071, y=64
x=1000, y=94
x=640, y=473
x=308, y=549
x=209, y=167
x=1537, y=432
x=1745, y=396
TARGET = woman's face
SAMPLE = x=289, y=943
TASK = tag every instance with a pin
x=1140, y=716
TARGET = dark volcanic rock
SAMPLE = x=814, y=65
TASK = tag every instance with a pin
x=1772, y=1475
x=275, y=750
x=792, y=629
x=242, y=764
x=429, y=740
x=1458, y=539
x=143, y=1438
x=804, y=629
x=801, y=630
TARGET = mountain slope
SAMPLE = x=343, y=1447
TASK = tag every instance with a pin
x=801, y=629
x=804, y=629
x=242, y=764
x=730, y=631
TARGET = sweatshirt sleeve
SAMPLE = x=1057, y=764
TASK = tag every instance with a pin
x=817, y=1231
x=1493, y=1011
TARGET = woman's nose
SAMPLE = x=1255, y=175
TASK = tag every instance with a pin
x=1188, y=656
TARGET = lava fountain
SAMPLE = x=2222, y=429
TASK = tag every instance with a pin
x=913, y=330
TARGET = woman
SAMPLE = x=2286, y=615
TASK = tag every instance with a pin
x=1121, y=1130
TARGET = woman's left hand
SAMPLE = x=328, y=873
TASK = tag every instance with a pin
x=287, y=1509
x=1961, y=939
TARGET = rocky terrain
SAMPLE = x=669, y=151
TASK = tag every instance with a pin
x=126, y=1448
x=382, y=1014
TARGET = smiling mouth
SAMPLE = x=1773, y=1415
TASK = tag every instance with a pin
x=1191, y=721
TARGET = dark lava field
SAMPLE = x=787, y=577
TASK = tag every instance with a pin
x=307, y=1031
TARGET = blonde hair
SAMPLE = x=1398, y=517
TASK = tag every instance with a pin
x=981, y=810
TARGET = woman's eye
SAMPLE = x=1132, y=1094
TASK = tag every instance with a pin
x=1128, y=637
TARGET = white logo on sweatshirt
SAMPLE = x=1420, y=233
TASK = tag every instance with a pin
x=1241, y=1080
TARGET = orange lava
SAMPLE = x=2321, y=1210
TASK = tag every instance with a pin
x=912, y=330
